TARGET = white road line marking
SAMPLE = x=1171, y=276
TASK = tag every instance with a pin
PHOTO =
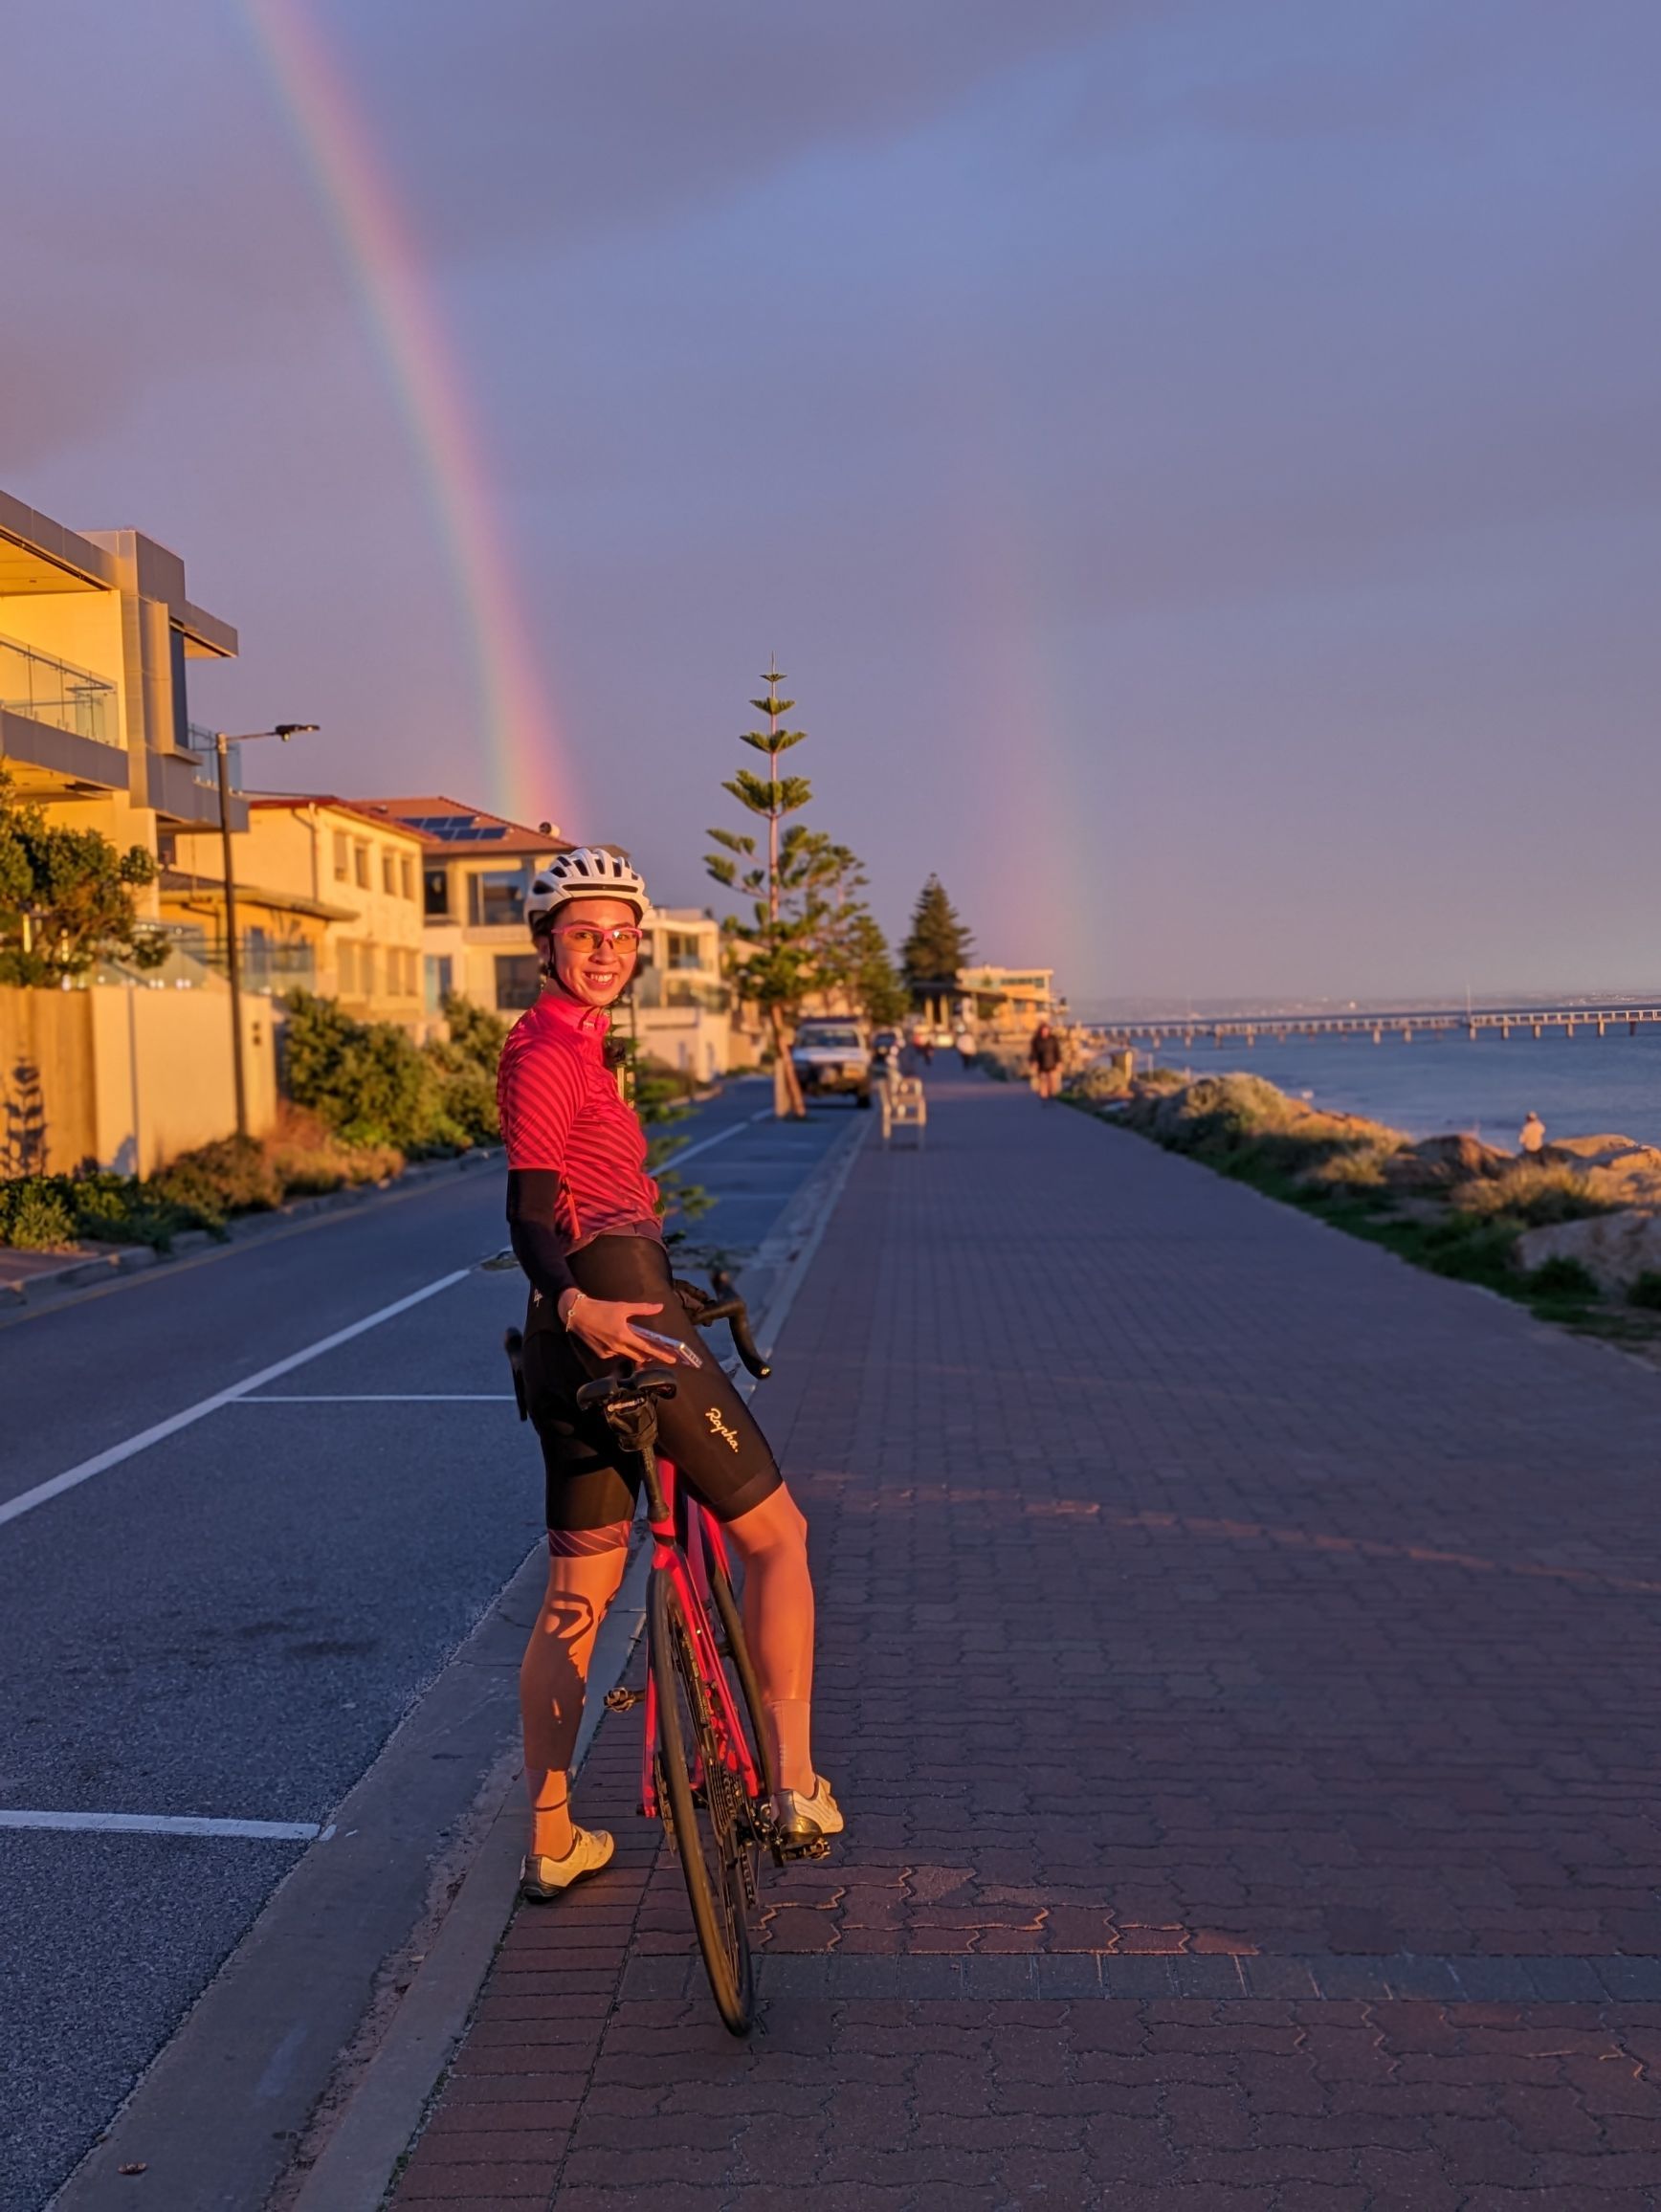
x=165, y=1824
x=26, y=1502
x=381, y=1398
x=706, y=1143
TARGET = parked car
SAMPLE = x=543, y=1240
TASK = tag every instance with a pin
x=832, y=1057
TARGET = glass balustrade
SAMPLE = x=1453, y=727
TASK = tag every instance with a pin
x=56, y=693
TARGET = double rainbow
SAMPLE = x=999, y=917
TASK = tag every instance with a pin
x=526, y=771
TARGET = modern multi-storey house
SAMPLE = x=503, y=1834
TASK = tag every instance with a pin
x=476, y=871
x=96, y=639
x=683, y=1012
x=328, y=899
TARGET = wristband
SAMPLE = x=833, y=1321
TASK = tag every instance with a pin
x=571, y=1308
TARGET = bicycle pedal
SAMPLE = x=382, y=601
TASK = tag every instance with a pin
x=818, y=1848
x=621, y=1700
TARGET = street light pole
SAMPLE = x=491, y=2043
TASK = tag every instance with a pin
x=222, y=745
x=233, y=952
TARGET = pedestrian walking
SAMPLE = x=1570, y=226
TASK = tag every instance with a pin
x=1045, y=1054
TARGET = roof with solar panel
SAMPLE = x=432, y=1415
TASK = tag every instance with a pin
x=447, y=826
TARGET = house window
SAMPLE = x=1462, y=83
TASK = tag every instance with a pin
x=497, y=899
x=441, y=968
x=340, y=856
x=361, y=865
x=388, y=872
x=436, y=891
x=347, y=969
x=685, y=949
x=407, y=874
x=517, y=981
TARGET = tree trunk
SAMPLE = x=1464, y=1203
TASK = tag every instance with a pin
x=788, y=1104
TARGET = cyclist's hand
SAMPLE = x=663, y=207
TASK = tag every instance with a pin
x=606, y=1325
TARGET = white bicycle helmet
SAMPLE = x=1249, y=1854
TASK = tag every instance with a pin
x=586, y=872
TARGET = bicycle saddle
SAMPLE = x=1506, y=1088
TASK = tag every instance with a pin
x=612, y=1389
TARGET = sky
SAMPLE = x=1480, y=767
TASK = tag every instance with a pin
x=1198, y=462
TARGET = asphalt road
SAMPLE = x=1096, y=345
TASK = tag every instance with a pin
x=229, y=1623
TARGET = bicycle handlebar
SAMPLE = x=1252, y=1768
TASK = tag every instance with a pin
x=727, y=1306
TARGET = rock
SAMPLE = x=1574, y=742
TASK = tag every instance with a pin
x=1614, y=1249
x=1463, y=1158
x=1438, y=1162
x=1585, y=1151
x=1617, y=1172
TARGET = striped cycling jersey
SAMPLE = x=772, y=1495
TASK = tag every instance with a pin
x=559, y=1112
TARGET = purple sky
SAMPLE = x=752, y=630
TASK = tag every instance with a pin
x=1198, y=460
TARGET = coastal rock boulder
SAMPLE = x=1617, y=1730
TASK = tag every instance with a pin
x=1615, y=1248
x=1616, y=1170
x=1437, y=1162
x=1588, y=1151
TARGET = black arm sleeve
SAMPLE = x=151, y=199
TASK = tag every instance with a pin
x=537, y=1243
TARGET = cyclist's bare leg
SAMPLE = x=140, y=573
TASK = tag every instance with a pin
x=771, y=1539
x=552, y=1680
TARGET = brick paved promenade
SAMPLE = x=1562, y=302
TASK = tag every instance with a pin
x=1241, y=1662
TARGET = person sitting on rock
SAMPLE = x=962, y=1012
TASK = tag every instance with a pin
x=1532, y=1134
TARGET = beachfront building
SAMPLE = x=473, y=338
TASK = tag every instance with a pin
x=328, y=899
x=476, y=871
x=99, y=638
x=683, y=1004
x=1009, y=997
x=96, y=638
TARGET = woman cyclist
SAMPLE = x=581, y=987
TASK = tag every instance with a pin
x=583, y=1214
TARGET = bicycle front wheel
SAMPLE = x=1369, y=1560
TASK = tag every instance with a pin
x=708, y=1823
x=743, y=1668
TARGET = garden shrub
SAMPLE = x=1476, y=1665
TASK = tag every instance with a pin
x=1561, y=1278
x=33, y=1216
x=232, y=1175
x=374, y=1086
x=1538, y=1197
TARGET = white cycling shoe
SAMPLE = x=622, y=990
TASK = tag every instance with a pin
x=804, y=1817
x=543, y=1879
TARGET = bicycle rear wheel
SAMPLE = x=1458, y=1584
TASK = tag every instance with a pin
x=710, y=1828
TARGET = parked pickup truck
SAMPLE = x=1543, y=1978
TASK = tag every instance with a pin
x=832, y=1056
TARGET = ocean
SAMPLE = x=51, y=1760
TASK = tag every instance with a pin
x=1579, y=1086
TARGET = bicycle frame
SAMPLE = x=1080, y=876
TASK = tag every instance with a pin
x=686, y=1561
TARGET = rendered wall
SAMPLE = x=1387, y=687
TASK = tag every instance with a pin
x=127, y=1077
x=47, y=1120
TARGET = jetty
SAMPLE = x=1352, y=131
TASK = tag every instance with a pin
x=1355, y=1022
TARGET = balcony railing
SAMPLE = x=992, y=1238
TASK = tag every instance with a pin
x=202, y=745
x=653, y=987
x=56, y=693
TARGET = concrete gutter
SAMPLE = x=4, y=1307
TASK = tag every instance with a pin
x=303, y=2070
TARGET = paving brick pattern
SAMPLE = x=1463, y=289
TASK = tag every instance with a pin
x=1241, y=1660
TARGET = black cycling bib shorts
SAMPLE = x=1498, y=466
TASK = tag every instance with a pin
x=707, y=1429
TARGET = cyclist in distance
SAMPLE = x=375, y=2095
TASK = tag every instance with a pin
x=583, y=1214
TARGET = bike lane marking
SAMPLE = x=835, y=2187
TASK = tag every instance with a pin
x=167, y=1824
x=102, y=1462
x=707, y=1143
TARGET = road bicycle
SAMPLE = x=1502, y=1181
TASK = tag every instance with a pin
x=707, y=1764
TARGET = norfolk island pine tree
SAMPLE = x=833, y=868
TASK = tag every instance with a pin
x=938, y=944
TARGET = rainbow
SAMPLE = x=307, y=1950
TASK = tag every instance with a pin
x=529, y=775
